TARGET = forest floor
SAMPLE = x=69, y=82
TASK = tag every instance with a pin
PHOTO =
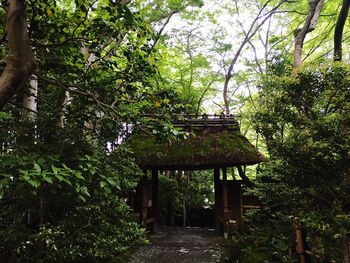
x=185, y=245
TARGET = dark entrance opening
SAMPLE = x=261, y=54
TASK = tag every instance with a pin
x=186, y=198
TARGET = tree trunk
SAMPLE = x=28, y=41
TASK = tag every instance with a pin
x=30, y=101
x=315, y=7
x=247, y=182
x=299, y=242
x=346, y=252
x=338, y=32
x=20, y=61
x=26, y=135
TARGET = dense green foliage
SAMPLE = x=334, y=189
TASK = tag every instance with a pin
x=62, y=188
x=305, y=121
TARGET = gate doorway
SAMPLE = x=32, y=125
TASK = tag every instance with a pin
x=215, y=144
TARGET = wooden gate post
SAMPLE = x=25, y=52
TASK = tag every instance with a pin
x=224, y=190
x=144, y=200
x=226, y=212
x=216, y=194
x=155, y=199
x=299, y=242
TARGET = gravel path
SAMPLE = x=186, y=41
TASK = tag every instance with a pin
x=178, y=245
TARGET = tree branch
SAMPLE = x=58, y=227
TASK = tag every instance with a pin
x=315, y=7
x=338, y=32
x=245, y=178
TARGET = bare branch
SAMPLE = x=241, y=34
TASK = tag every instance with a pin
x=253, y=29
x=159, y=34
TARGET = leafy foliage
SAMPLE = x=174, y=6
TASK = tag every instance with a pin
x=63, y=172
x=305, y=123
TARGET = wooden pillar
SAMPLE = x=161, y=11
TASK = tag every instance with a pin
x=240, y=217
x=217, y=198
x=144, y=200
x=224, y=190
x=226, y=214
x=299, y=243
x=155, y=199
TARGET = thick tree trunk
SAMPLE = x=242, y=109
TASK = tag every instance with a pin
x=315, y=7
x=338, y=32
x=20, y=62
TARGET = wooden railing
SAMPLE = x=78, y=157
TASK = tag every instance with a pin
x=205, y=120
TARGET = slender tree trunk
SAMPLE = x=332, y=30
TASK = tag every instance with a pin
x=338, y=32
x=28, y=116
x=30, y=101
x=315, y=7
x=20, y=61
x=346, y=251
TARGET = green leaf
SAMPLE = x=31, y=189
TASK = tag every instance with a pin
x=48, y=179
x=82, y=198
x=34, y=182
x=37, y=167
x=59, y=177
x=111, y=181
x=79, y=175
x=55, y=170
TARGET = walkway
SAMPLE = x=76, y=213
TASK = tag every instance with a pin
x=175, y=245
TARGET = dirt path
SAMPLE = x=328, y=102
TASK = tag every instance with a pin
x=178, y=245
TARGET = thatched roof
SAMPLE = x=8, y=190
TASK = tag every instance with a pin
x=212, y=146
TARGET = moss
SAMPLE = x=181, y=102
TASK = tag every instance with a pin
x=203, y=151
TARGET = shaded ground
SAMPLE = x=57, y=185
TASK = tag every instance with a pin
x=175, y=245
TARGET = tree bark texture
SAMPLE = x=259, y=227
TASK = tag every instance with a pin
x=30, y=101
x=20, y=61
x=338, y=32
x=315, y=7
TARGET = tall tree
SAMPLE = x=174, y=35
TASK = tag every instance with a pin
x=20, y=60
x=263, y=15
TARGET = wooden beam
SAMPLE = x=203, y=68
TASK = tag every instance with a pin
x=251, y=206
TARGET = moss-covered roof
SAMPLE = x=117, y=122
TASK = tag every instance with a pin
x=225, y=148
